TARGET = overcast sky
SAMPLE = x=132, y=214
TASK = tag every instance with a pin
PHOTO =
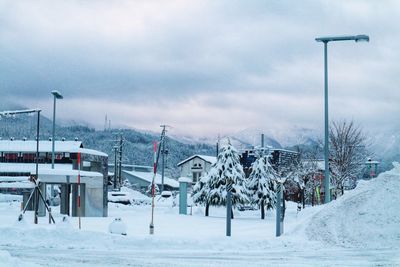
x=204, y=67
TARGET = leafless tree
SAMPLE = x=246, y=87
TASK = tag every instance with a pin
x=348, y=153
x=306, y=171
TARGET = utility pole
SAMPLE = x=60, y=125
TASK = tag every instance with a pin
x=115, y=167
x=120, y=162
x=163, y=152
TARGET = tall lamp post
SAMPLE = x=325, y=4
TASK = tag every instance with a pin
x=326, y=40
x=56, y=95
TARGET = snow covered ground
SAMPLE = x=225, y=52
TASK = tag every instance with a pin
x=362, y=228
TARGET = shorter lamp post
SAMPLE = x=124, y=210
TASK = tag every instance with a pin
x=56, y=95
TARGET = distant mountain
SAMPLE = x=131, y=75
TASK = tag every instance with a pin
x=137, y=145
x=385, y=146
x=250, y=137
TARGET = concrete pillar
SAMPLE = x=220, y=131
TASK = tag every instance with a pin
x=74, y=196
x=42, y=207
x=183, y=189
x=65, y=199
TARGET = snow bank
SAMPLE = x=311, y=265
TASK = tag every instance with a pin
x=10, y=198
x=128, y=196
x=6, y=260
x=366, y=217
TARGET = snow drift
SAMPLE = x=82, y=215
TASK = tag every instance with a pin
x=366, y=217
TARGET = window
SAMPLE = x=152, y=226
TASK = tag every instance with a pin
x=196, y=176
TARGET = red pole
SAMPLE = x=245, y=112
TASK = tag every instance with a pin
x=79, y=188
x=153, y=189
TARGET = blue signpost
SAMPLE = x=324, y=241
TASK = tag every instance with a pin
x=183, y=189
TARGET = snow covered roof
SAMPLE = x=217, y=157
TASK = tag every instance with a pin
x=44, y=146
x=16, y=182
x=209, y=159
x=31, y=167
x=89, y=151
x=25, y=184
x=148, y=177
x=45, y=169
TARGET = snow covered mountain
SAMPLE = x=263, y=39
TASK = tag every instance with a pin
x=249, y=137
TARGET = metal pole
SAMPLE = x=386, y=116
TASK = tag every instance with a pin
x=278, y=210
x=120, y=163
x=153, y=189
x=37, y=170
x=79, y=188
x=228, y=210
x=115, y=167
x=326, y=152
x=163, y=160
x=53, y=138
x=262, y=140
x=52, y=145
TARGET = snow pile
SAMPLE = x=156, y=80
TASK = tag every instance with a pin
x=10, y=198
x=8, y=261
x=366, y=217
x=128, y=196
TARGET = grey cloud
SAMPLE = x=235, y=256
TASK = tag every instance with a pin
x=206, y=53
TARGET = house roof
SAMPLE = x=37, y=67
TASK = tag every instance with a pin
x=46, y=146
x=209, y=159
x=148, y=177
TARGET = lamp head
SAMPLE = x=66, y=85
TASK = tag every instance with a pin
x=361, y=38
x=56, y=94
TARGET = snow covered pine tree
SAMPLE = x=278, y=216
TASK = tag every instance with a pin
x=200, y=192
x=227, y=170
x=261, y=185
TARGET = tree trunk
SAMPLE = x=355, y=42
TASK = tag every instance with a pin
x=231, y=213
x=262, y=210
x=207, y=209
x=303, y=197
x=313, y=197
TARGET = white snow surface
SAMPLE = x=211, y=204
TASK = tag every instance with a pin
x=359, y=229
x=368, y=217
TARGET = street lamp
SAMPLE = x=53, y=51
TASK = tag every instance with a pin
x=326, y=40
x=56, y=95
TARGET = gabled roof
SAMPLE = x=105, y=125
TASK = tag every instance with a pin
x=209, y=159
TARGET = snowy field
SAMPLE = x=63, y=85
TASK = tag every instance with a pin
x=360, y=229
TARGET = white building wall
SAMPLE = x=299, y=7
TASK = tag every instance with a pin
x=189, y=168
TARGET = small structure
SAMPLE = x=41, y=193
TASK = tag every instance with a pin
x=371, y=169
x=183, y=192
x=141, y=177
x=195, y=166
x=17, y=165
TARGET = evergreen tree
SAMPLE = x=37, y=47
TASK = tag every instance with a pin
x=226, y=171
x=200, y=191
x=261, y=184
